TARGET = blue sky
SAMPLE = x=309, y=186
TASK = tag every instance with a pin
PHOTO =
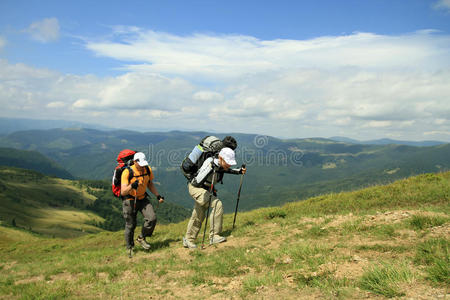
x=362, y=69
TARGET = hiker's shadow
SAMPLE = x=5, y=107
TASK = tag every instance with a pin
x=157, y=245
x=163, y=244
x=226, y=232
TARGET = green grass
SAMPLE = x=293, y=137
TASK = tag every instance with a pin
x=384, y=279
x=415, y=192
x=296, y=249
x=384, y=231
x=276, y=213
x=420, y=222
x=253, y=282
x=324, y=281
x=383, y=248
x=434, y=255
x=317, y=231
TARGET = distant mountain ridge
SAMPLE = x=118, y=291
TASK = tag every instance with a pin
x=10, y=125
x=387, y=141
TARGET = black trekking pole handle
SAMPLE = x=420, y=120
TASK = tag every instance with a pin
x=238, y=196
x=211, y=191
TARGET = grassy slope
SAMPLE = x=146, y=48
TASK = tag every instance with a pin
x=32, y=160
x=65, y=208
x=384, y=241
x=44, y=204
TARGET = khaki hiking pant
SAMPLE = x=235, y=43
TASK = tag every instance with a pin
x=201, y=197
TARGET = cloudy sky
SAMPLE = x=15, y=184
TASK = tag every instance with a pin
x=360, y=69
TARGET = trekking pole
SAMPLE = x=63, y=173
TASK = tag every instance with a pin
x=238, y=196
x=211, y=190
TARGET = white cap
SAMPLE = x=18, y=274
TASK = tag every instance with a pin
x=140, y=159
x=227, y=155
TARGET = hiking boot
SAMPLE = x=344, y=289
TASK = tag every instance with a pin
x=188, y=244
x=143, y=242
x=216, y=239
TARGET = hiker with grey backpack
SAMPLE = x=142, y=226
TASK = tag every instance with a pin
x=211, y=159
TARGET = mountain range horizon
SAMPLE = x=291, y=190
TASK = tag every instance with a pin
x=10, y=125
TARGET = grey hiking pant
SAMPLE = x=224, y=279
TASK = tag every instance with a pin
x=130, y=216
x=201, y=197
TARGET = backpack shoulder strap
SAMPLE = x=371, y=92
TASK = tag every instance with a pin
x=130, y=173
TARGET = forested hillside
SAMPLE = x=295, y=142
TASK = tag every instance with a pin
x=65, y=208
x=32, y=160
x=279, y=170
x=110, y=207
x=45, y=205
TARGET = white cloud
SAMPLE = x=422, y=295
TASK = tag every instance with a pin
x=437, y=133
x=231, y=56
x=441, y=121
x=27, y=91
x=206, y=96
x=83, y=103
x=378, y=124
x=141, y=91
x=382, y=84
x=361, y=85
x=44, y=31
x=20, y=71
x=356, y=102
x=56, y=104
x=442, y=4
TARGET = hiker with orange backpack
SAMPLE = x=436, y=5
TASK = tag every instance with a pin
x=135, y=180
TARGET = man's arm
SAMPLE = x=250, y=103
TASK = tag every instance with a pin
x=241, y=170
x=151, y=186
x=125, y=189
x=125, y=186
x=203, y=173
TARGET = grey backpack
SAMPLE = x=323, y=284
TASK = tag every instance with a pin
x=209, y=146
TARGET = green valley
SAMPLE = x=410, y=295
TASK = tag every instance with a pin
x=45, y=205
x=32, y=160
x=65, y=208
x=279, y=170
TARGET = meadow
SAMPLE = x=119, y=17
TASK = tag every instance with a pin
x=379, y=242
